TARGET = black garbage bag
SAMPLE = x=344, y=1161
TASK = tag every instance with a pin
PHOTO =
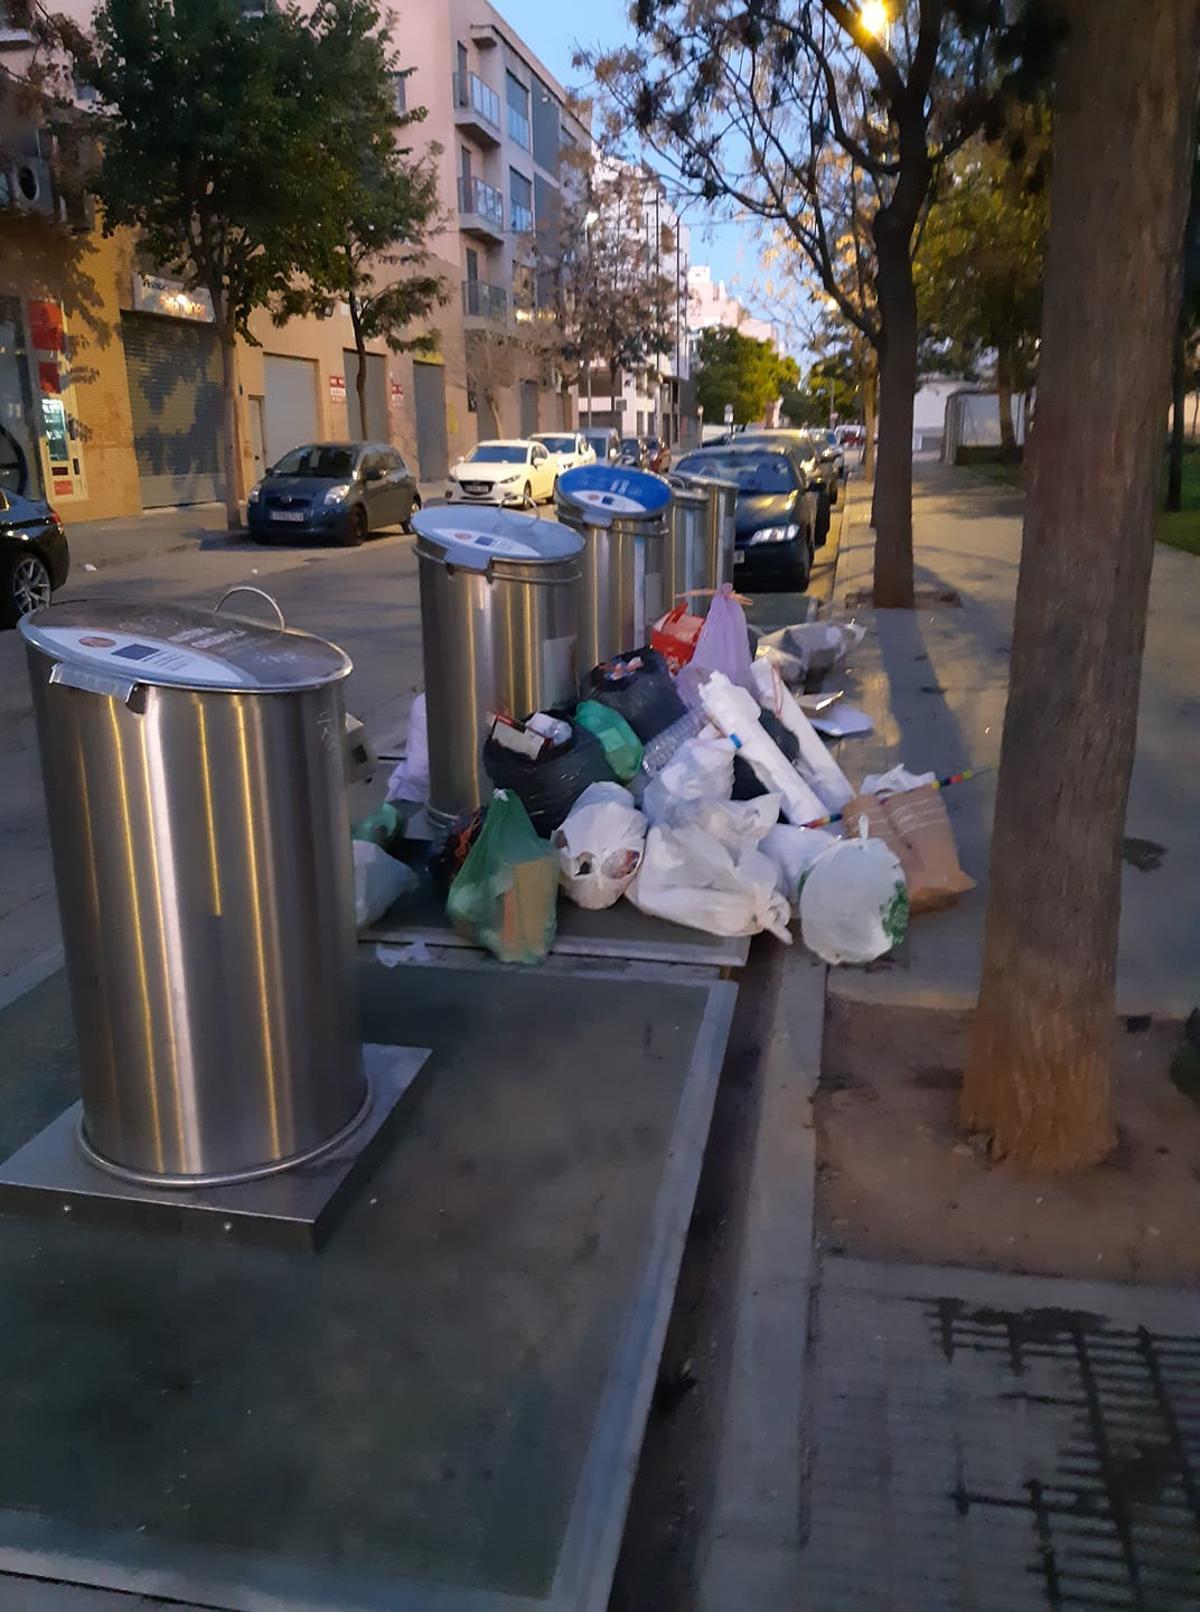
x=746, y=783
x=645, y=696
x=549, y=785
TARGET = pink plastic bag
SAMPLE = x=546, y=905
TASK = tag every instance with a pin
x=723, y=646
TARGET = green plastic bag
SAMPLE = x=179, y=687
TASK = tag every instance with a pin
x=622, y=747
x=505, y=895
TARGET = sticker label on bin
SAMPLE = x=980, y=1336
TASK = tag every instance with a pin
x=610, y=490
x=185, y=658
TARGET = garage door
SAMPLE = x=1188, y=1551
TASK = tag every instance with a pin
x=291, y=404
x=429, y=406
x=174, y=370
x=377, y=406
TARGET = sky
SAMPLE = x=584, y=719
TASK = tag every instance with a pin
x=552, y=29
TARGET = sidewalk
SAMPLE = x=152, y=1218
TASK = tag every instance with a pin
x=935, y=681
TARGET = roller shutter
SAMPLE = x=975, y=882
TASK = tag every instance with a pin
x=291, y=404
x=377, y=396
x=174, y=371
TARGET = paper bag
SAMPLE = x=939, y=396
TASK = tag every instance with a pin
x=915, y=825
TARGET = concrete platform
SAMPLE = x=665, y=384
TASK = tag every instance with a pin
x=442, y=1410
x=617, y=933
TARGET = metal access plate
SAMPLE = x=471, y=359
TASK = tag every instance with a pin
x=619, y=933
x=441, y=1411
x=296, y=1208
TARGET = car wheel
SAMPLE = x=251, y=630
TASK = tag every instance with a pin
x=803, y=569
x=553, y=491
x=406, y=526
x=357, y=529
x=26, y=587
x=527, y=498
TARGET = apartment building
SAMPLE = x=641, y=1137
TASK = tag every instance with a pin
x=110, y=372
x=511, y=151
x=711, y=304
x=657, y=398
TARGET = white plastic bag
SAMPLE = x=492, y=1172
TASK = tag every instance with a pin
x=854, y=903
x=379, y=881
x=897, y=781
x=738, y=825
x=735, y=712
x=814, y=764
x=410, y=776
x=794, y=850
x=811, y=646
x=600, y=844
x=702, y=768
x=688, y=878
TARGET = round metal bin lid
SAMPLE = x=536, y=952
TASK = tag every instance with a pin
x=472, y=538
x=695, y=481
x=178, y=646
x=604, y=493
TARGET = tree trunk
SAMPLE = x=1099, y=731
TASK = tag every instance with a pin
x=231, y=435
x=1178, y=404
x=892, y=502
x=1039, y=1074
x=360, y=379
x=1004, y=398
x=868, y=390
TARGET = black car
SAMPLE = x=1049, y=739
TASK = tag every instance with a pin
x=34, y=557
x=776, y=508
x=808, y=447
x=634, y=451
x=340, y=491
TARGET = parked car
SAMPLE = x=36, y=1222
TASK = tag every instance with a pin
x=516, y=472
x=776, y=507
x=340, y=491
x=658, y=455
x=831, y=444
x=633, y=451
x=604, y=442
x=569, y=448
x=822, y=471
x=35, y=559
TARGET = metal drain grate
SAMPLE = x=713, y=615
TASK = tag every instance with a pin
x=968, y=1456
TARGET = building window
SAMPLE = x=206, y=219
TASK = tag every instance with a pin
x=520, y=195
x=517, y=97
x=472, y=397
x=399, y=93
x=546, y=128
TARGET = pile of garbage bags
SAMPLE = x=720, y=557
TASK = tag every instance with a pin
x=695, y=787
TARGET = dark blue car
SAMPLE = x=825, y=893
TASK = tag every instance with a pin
x=338, y=491
x=34, y=557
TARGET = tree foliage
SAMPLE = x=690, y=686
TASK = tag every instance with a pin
x=376, y=253
x=799, y=116
x=834, y=383
x=739, y=371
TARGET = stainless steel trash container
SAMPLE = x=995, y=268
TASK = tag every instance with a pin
x=499, y=617
x=194, y=772
x=621, y=514
x=720, y=525
x=688, y=564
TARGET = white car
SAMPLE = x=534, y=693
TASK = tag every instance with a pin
x=517, y=473
x=570, y=448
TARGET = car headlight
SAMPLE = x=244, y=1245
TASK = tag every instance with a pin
x=255, y=493
x=336, y=495
x=774, y=534
x=507, y=481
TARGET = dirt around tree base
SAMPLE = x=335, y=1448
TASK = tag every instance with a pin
x=897, y=1180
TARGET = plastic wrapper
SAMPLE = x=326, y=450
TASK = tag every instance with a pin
x=687, y=877
x=549, y=785
x=644, y=694
x=379, y=881
x=505, y=895
x=622, y=747
x=701, y=768
x=600, y=845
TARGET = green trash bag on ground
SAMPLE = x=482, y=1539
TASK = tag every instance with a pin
x=622, y=747
x=505, y=895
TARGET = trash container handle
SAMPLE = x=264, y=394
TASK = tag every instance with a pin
x=248, y=587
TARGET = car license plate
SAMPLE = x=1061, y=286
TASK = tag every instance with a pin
x=287, y=515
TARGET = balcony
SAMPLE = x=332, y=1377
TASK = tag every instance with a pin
x=476, y=108
x=522, y=218
x=480, y=210
x=484, y=303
